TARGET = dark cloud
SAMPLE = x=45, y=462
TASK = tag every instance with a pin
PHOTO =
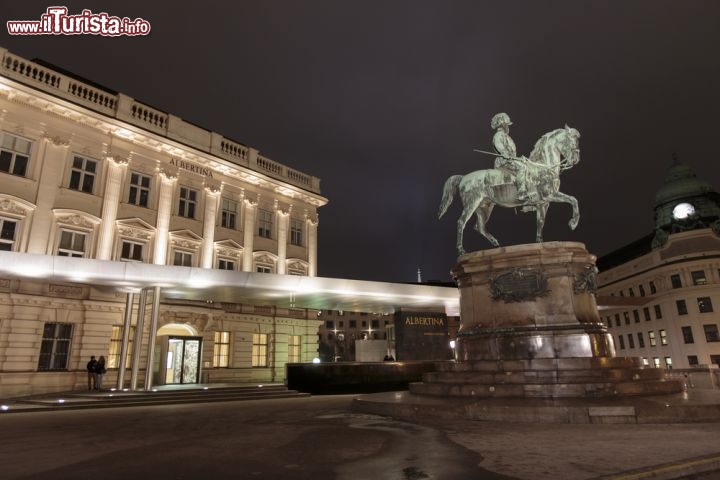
x=385, y=100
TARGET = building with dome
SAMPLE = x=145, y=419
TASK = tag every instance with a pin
x=659, y=294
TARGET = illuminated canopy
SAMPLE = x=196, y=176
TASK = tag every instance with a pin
x=286, y=291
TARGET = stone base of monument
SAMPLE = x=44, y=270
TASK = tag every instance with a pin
x=531, y=344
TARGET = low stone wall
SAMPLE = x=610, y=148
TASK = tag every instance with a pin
x=354, y=377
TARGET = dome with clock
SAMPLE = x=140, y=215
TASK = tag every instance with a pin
x=684, y=202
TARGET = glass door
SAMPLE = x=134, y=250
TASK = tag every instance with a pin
x=183, y=360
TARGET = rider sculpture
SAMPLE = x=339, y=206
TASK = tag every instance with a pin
x=536, y=178
x=508, y=161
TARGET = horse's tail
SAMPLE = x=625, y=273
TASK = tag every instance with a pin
x=449, y=189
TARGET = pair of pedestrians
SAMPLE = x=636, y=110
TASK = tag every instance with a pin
x=96, y=371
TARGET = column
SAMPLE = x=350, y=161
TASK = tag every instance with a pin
x=168, y=176
x=249, y=235
x=53, y=153
x=282, y=239
x=212, y=198
x=125, y=341
x=142, y=303
x=111, y=200
x=151, y=337
x=312, y=247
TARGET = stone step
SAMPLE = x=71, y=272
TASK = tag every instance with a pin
x=546, y=376
x=576, y=363
x=82, y=400
x=551, y=390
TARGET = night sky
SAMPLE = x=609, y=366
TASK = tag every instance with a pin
x=384, y=100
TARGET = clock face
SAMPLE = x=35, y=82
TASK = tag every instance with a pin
x=682, y=211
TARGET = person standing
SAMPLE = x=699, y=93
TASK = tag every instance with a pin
x=100, y=373
x=92, y=378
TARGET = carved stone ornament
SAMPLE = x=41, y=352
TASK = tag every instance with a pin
x=170, y=172
x=213, y=186
x=75, y=220
x=8, y=206
x=56, y=140
x=586, y=281
x=519, y=285
x=130, y=232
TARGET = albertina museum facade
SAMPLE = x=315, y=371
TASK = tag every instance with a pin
x=86, y=172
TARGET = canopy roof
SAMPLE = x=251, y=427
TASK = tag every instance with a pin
x=286, y=291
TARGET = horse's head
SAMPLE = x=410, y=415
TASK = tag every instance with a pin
x=570, y=147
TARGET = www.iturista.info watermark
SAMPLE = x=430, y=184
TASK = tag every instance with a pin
x=57, y=22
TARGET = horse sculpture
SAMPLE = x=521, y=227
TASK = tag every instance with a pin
x=481, y=190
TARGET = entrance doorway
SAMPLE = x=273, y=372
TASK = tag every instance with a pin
x=179, y=360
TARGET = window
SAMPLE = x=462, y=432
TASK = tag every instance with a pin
x=263, y=269
x=330, y=324
x=259, y=350
x=72, y=244
x=296, y=230
x=609, y=322
x=626, y=315
x=631, y=292
x=14, y=155
x=646, y=313
x=692, y=360
x=651, y=337
x=183, y=259
x=675, y=281
x=658, y=312
x=113, y=359
x=642, y=290
x=617, y=319
x=645, y=361
x=293, y=348
x=225, y=264
x=341, y=324
x=55, y=346
x=221, y=350
x=265, y=219
x=631, y=341
x=656, y=362
x=7, y=234
x=653, y=289
x=363, y=324
x=663, y=337
x=353, y=323
x=641, y=340
x=131, y=251
x=228, y=214
x=622, y=342
x=698, y=277
x=681, y=307
x=688, y=334
x=375, y=324
x=139, y=189
x=187, y=202
x=636, y=316
x=668, y=363
x=704, y=304
x=711, y=333
x=82, y=174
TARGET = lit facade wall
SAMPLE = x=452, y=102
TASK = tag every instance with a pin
x=665, y=304
x=88, y=172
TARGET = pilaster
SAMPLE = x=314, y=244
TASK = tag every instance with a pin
x=249, y=234
x=168, y=177
x=113, y=185
x=212, y=196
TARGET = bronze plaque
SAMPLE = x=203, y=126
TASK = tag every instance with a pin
x=519, y=285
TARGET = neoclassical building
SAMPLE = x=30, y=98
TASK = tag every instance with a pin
x=87, y=172
x=660, y=292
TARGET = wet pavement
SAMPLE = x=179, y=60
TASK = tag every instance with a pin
x=321, y=437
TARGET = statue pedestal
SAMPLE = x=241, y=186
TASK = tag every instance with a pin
x=528, y=302
x=529, y=327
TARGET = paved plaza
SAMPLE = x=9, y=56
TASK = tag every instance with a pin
x=321, y=437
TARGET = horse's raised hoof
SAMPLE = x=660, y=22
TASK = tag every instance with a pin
x=573, y=223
